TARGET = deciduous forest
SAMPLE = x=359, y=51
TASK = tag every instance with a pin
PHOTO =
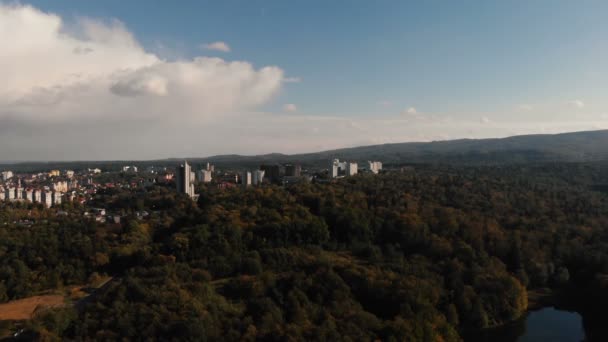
x=427, y=254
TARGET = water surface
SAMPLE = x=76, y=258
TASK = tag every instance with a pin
x=547, y=324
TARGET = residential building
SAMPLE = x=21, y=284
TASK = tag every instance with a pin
x=54, y=173
x=184, y=179
x=6, y=175
x=37, y=196
x=61, y=186
x=69, y=173
x=10, y=193
x=351, y=169
x=28, y=194
x=272, y=172
x=46, y=198
x=204, y=176
x=374, y=166
x=56, y=198
x=258, y=177
x=334, y=168
x=338, y=168
x=293, y=170
x=246, y=179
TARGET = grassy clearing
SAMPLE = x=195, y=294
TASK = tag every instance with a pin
x=23, y=309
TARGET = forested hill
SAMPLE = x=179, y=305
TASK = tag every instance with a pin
x=566, y=147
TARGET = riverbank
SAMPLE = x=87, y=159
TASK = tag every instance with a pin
x=542, y=298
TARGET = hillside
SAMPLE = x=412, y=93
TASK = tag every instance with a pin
x=569, y=147
x=565, y=147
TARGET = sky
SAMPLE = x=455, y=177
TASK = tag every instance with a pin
x=108, y=80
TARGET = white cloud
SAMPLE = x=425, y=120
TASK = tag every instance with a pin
x=89, y=90
x=385, y=103
x=290, y=107
x=484, y=120
x=292, y=80
x=94, y=76
x=217, y=46
x=85, y=68
x=576, y=104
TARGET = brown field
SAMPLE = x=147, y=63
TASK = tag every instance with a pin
x=24, y=308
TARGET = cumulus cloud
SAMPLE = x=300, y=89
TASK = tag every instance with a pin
x=89, y=90
x=56, y=70
x=217, y=46
x=290, y=107
x=576, y=104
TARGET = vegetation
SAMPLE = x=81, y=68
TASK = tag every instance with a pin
x=424, y=255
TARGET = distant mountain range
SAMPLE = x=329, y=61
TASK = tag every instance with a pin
x=568, y=147
x=565, y=147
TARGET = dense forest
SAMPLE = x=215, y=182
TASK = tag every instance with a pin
x=427, y=254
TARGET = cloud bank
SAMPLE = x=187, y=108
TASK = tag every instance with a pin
x=94, y=73
x=88, y=89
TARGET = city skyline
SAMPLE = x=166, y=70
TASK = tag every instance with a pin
x=178, y=81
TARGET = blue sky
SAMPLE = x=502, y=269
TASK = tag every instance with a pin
x=460, y=61
x=443, y=56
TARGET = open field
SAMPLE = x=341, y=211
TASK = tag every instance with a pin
x=23, y=309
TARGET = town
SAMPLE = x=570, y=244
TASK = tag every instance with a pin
x=55, y=187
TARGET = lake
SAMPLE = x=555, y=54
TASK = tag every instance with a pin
x=547, y=324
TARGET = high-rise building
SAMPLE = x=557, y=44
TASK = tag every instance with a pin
x=56, y=197
x=6, y=175
x=47, y=198
x=351, y=169
x=184, y=180
x=204, y=176
x=10, y=193
x=28, y=194
x=338, y=168
x=293, y=170
x=272, y=172
x=334, y=168
x=246, y=178
x=258, y=177
x=37, y=196
x=374, y=166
